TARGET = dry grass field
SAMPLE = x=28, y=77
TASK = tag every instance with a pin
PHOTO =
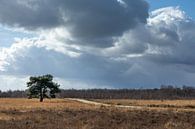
x=153, y=104
x=69, y=114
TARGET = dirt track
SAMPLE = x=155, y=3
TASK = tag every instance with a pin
x=103, y=104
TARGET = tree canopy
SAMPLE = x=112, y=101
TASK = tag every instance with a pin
x=42, y=87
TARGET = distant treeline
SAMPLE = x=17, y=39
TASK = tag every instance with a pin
x=165, y=92
x=13, y=94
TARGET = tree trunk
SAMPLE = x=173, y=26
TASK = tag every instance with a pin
x=41, y=98
x=41, y=95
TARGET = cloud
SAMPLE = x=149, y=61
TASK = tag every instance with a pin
x=93, y=23
x=29, y=14
x=12, y=82
x=172, y=39
x=144, y=54
x=132, y=43
x=167, y=38
x=35, y=60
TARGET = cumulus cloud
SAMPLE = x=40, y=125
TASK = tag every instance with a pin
x=35, y=60
x=11, y=82
x=93, y=23
x=172, y=39
x=146, y=52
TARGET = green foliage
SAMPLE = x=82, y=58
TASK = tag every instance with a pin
x=42, y=87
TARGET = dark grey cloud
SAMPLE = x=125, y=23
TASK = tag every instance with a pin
x=172, y=39
x=29, y=14
x=97, y=70
x=89, y=22
x=134, y=41
x=92, y=19
x=147, y=55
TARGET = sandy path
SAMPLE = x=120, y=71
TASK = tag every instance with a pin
x=103, y=104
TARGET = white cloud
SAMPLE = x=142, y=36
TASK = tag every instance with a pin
x=18, y=82
x=168, y=15
x=9, y=82
x=20, y=48
x=159, y=52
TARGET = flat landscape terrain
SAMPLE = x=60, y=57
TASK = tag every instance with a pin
x=81, y=114
x=152, y=104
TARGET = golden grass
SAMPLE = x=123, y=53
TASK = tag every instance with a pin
x=177, y=104
x=67, y=114
x=34, y=104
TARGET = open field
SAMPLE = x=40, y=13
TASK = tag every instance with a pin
x=158, y=104
x=70, y=114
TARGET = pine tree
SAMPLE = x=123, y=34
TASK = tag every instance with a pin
x=42, y=87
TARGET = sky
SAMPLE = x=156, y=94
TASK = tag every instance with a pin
x=97, y=44
x=185, y=5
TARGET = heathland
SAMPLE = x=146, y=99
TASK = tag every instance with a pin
x=73, y=114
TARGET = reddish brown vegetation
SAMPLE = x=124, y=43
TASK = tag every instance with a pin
x=74, y=115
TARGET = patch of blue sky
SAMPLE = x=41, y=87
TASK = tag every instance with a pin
x=186, y=5
x=7, y=36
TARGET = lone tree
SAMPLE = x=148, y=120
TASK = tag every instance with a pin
x=42, y=87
